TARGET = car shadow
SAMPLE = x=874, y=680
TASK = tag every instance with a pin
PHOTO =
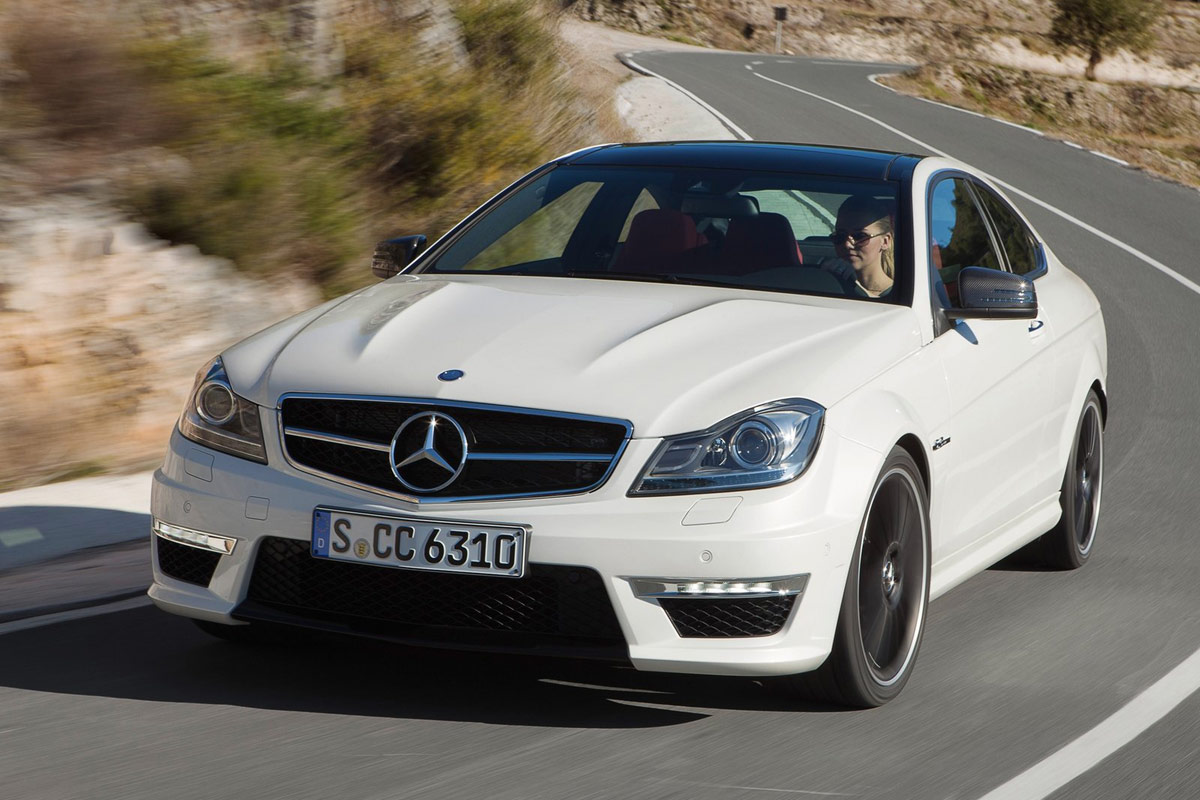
x=31, y=534
x=1030, y=558
x=145, y=654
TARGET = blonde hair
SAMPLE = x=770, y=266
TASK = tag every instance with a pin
x=864, y=206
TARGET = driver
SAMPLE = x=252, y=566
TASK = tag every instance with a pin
x=863, y=240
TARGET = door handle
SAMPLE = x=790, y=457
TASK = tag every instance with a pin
x=1036, y=325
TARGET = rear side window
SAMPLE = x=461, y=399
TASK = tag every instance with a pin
x=1016, y=239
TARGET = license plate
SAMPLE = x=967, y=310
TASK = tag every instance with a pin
x=424, y=544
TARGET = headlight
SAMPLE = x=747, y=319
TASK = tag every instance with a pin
x=765, y=446
x=216, y=417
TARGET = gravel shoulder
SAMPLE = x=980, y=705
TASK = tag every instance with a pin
x=650, y=108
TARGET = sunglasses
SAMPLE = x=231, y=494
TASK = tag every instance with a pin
x=858, y=237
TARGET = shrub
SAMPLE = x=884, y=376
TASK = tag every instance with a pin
x=509, y=39
x=288, y=173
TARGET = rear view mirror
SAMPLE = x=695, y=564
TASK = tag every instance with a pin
x=393, y=255
x=991, y=294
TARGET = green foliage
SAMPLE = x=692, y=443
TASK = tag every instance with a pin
x=1098, y=27
x=432, y=131
x=507, y=39
x=271, y=183
x=287, y=173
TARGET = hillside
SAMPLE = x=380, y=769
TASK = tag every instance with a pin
x=175, y=176
x=994, y=57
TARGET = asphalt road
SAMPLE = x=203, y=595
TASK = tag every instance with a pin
x=1016, y=663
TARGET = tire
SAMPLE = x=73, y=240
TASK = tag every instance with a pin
x=886, y=599
x=1069, y=544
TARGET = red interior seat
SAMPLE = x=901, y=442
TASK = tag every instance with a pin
x=765, y=241
x=658, y=239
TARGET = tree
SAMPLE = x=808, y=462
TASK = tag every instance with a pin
x=1099, y=27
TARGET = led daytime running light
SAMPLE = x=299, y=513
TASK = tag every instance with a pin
x=193, y=538
x=706, y=588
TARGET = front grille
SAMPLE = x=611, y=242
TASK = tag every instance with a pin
x=728, y=616
x=552, y=602
x=184, y=563
x=510, y=453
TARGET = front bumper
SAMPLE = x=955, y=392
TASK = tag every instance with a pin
x=808, y=527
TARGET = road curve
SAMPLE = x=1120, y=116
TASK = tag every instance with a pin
x=1016, y=664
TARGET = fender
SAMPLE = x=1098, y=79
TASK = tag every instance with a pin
x=880, y=420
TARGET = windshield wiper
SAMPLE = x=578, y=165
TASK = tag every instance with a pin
x=650, y=277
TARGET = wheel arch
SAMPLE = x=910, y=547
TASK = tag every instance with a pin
x=1088, y=377
x=1098, y=388
x=915, y=448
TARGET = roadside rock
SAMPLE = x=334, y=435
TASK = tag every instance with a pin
x=102, y=328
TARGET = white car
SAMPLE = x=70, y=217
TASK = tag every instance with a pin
x=655, y=403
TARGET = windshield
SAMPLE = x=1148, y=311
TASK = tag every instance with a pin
x=755, y=230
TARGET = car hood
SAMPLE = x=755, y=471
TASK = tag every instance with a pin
x=667, y=358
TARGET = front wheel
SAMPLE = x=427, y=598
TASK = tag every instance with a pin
x=886, y=598
x=1069, y=543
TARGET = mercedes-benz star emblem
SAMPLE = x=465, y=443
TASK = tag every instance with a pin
x=428, y=452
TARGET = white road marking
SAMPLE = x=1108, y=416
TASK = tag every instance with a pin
x=1133, y=251
x=1018, y=126
x=74, y=614
x=1076, y=758
x=747, y=66
x=806, y=792
x=943, y=105
x=846, y=63
x=726, y=121
x=1110, y=158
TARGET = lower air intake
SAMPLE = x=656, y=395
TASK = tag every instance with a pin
x=727, y=617
x=184, y=563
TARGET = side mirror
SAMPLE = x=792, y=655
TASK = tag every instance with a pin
x=393, y=255
x=991, y=294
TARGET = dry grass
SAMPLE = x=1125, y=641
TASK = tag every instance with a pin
x=1155, y=128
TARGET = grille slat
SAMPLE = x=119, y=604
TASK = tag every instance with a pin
x=551, y=601
x=726, y=617
x=503, y=436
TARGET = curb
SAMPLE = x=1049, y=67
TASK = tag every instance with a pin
x=626, y=58
x=33, y=612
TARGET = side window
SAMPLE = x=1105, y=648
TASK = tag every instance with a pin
x=959, y=234
x=1016, y=239
x=958, y=228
